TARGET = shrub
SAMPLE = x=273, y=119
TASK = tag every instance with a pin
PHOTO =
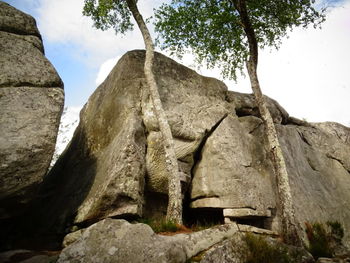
x=337, y=230
x=201, y=225
x=323, y=238
x=319, y=243
x=160, y=225
x=260, y=251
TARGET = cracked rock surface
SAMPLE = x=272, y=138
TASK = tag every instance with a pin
x=113, y=166
x=31, y=103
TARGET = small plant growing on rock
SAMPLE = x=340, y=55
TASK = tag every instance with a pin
x=161, y=225
x=260, y=251
x=337, y=231
x=324, y=238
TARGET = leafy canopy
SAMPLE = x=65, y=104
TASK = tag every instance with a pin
x=109, y=14
x=213, y=29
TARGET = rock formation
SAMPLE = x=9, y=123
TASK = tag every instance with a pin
x=113, y=166
x=113, y=240
x=31, y=102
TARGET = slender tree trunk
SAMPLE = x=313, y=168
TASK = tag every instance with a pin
x=174, y=211
x=289, y=227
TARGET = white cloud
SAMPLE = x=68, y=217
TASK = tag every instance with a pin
x=105, y=69
x=309, y=75
x=62, y=22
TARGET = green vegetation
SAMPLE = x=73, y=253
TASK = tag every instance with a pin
x=228, y=34
x=117, y=14
x=260, y=251
x=202, y=224
x=337, y=230
x=159, y=226
x=323, y=238
x=215, y=33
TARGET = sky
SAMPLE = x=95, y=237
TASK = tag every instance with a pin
x=309, y=75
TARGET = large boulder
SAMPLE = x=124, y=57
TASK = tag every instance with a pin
x=117, y=241
x=114, y=165
x=104, y=170
x=235, y=173
x=31, y=102
x=241, y=248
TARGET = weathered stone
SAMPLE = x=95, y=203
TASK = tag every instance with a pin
x=236, y=250
x=102, y=171
x=335, y=129
x=72, y=237
x=23, y=64
x=28, y=123
x=235, y=172
x=245, y=106
x=230, y=165
x=31, y=102
x=14, y=21
x=118, y=241
x=256, y=230
x=109, y=147
x=219, y=142
x=193, y=104
x=232, y=250
x=318, y=164
x=245, y=212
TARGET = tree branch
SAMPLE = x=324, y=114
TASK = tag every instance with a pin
x=241, y=7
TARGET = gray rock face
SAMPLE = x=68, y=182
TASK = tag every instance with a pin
x=109, y=146
x=318, y=163
x=235, y=172
x=14, y=21
x=194, y=104
x=31, y=102
x=102, y=171
x=117, y=241
x=239, y=154
x=236, y=250
x=113, y=166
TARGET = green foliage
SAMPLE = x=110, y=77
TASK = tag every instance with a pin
x=260, y=251
x=109, y=14
x=201, y=225
x=160, y=225
x=318, y=240
x=337, y=230
x=323, y=238
x=214, y=32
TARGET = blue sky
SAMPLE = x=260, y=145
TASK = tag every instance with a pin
x=309, y=76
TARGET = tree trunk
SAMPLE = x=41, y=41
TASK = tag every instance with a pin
x=289, y=228
x=174, y=211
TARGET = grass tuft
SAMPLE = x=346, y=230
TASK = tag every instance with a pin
x=160, y=226
x=260, y=251
x=323, y=238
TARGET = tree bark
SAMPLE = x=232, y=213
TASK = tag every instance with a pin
x=289, y=227
x=174, y=210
